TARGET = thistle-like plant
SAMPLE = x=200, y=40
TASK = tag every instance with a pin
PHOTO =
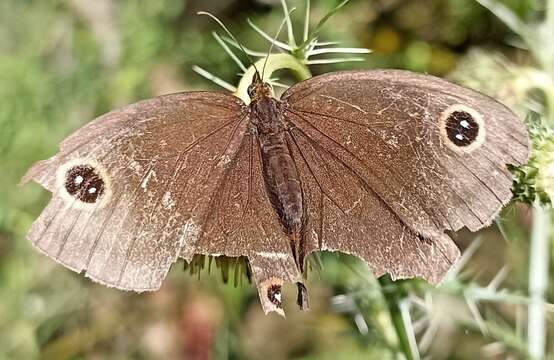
x=529, y=88
x=409, y=304
x=292, y=55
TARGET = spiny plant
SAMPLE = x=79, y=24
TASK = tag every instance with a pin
x=409, y=303
x=529, y=88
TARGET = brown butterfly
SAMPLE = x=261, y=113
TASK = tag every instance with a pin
x=377, y=164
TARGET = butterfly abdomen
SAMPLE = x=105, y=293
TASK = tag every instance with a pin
x=281, y=177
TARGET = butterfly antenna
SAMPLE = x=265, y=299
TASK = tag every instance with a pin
x=220, y=23
x=273, y=42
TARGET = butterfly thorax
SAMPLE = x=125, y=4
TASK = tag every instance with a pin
x=279, y=169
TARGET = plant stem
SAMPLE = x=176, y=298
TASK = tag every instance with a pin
x=274, y=62
x=550, y=13
x=393, y=300
x=538, y=280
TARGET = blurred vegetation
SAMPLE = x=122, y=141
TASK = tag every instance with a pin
x=64, y=62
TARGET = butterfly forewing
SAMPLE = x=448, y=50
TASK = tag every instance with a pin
x=346, y=215
x=160, y=161
x=384, y=181
x=386, y=125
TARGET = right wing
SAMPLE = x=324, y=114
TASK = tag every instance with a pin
x=344, y=214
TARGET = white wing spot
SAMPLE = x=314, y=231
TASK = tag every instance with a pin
x=271, y=255
x=144, y=184
x=167, y=200
x=225, y=159
x=190, y=231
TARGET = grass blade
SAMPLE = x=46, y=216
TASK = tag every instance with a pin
x=247, y=50
x=306, y=22
x=338, y=50
x=321, y=23
x=507, y=16
x=333, y=61
x=290, y=30
x=204, y=73
x=280, y=44
x=228, y=51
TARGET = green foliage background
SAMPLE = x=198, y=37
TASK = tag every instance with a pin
x=64, y=62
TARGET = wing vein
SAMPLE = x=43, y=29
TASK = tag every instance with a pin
x=223, y=179
x=348, y=167
x=313, y=174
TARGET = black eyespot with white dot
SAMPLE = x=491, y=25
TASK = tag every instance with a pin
x=84, y=183
x=461, y=128
x=274, y=295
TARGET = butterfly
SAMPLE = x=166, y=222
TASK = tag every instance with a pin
x=378, y=164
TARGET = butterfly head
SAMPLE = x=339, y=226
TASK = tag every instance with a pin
x=258, y=88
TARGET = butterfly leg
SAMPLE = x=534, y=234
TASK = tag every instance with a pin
x=299, y=253
x=302, y=299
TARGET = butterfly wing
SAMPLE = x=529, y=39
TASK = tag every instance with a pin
x=391, y=140
x=346, y=215
x=131, y=189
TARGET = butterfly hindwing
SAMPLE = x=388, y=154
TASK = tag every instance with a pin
x=241, y=221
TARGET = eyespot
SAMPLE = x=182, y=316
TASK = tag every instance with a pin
x=462, y=128
x=83, y=183
x=271, y=295
x=274, y=295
